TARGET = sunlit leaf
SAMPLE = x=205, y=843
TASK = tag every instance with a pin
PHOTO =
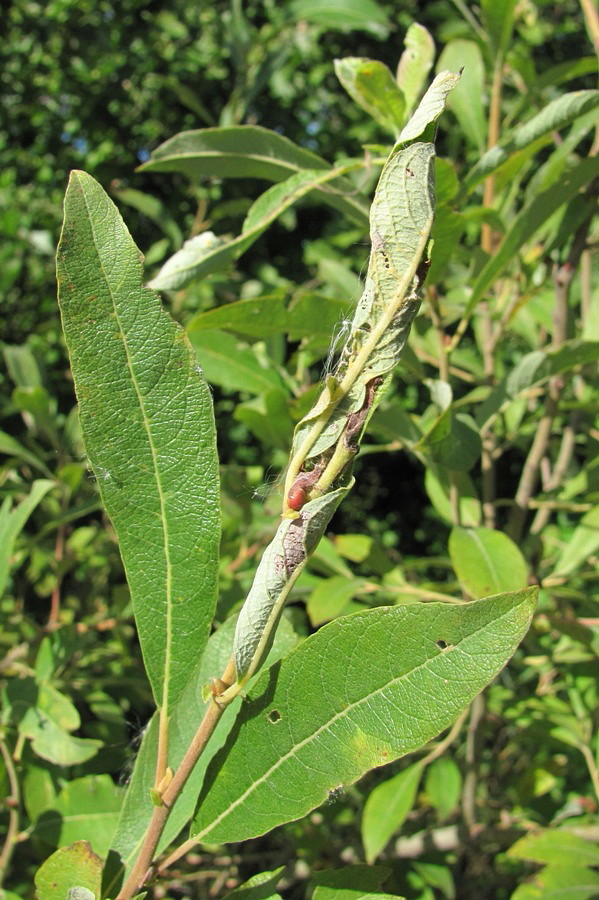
x=148, y=426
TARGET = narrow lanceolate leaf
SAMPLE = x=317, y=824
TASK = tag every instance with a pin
x=558, y=114
x=530, y=220
x=12, y=522
x=248, y=151
x=430, y=107
x=206, y=253
x=147, y=422
x=361, y=692
x=387, y=807
x=467, y=100
x=415, y=63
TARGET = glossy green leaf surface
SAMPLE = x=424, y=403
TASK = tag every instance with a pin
x=257, y=317
x=329, y=599
x=387, y=808
x=361, y=692
x=76, y=866
x=486, y=561
x=46, y=718
x=563, y=882
x=248, y=151
x=147, y=422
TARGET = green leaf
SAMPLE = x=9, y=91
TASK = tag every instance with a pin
x=12, y=522
x=439, y=484
x=206, y=253
x=429, y=109
x=350, y=883
x=315, y=315
x=187, y=714
x=331, y=596
x=342, y=15
x=582, y=545
x=556, y=846
x=529, y=221
x=532, y=369
x=259, y=317
x=498, y=20
x=50, y=742
x=85, y=807
x=268, y=418
x=233, y=364
x=466, y=101
x=22, y=365
x=147, y=422
x=11, y=447
x=415, y=63
x=76, y=866
x=567, y=882
x=45, y=717
x=37, y=403
x=151, y=207
x=486, y=561
x=39, y=793
x=443, y=785
x=258, y=887
x=361, y=692
x=386, y=809
x=554, y=117
x=454, y=441
x=248, y=151
x=372, y=86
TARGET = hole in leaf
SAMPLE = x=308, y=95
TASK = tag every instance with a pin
x=274, y=716
x=442, y=645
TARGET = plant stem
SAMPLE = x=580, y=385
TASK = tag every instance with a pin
x=562, y=279
x=12, y=804
x=141, y=871
x=477, y=711
x=488, y=240
x=591, y=766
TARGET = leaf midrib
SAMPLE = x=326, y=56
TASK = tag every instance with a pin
x=154, y=454
x=327, y=725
